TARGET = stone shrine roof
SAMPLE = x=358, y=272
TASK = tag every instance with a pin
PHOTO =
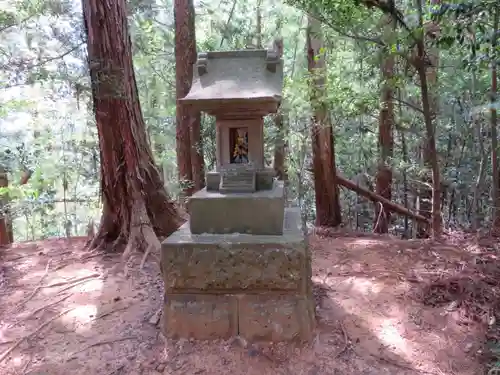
x=229, y=78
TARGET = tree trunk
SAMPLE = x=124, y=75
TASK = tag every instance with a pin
x=5, y=237
x=430, y=153
x=279, y=147
x=279, y=141
x=325, y=184
x=185, y=58
x=385, y=137
x=493, y=125
x=428, y=75
x=136, y=206
x=379, y=199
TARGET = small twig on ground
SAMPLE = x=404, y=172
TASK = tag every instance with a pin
x=346, y=341
x=26, y=366
x=401, y=365
x=79, y=281
x=83, y=278
x=87, y=257
x=116, y=370
x=40, y=327
x=155, y=318
x=104, y=342
x=19, y=257
x=44, y=307
x=146, y=253
x=100, y=316
x=38, y=287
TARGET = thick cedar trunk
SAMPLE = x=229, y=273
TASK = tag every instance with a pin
x=197, y=159
x=325, y=184
x=385, y=137
x=135, y=203
x=5, y=237
x=185, y=58
x=493, y=125
x=388, y=205
x=279, y=147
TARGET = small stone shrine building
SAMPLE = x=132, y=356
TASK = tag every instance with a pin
x=241, y=264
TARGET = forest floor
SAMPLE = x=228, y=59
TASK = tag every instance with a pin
x=64, y=312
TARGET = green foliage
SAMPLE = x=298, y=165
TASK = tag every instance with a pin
x=46, y=121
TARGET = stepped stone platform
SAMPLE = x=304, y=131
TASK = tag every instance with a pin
x=259, y=213
x=222, y=285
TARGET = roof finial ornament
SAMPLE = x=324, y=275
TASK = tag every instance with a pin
x=201, y=63
x=274, y=53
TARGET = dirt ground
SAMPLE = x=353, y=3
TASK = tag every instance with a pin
x=65, y=312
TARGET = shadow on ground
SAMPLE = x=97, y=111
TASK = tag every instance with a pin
x=366, y=324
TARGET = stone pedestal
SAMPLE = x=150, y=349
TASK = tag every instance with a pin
x=222, y=285
x=258, y=213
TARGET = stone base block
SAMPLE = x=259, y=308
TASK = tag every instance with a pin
x=258, y=213
x=232, y=263
x=255, y=286
x=264, y=177
x=202, y=317
x=276, y=318
x=255, y=317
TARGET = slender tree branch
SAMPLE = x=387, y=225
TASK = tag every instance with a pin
x=226, y=27
x=46, y=61
x=6, y=27
x=408, y=104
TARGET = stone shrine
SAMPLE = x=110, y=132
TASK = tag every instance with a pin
x=241, y=264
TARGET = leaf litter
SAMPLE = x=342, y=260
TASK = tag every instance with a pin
x=384, y=306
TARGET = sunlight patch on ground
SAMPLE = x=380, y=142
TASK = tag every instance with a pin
x=17, y=361
x=388, y=334
x=363, y=242
x=363, y=285
x=28, y=263
x=82, y=316
x=14, y=298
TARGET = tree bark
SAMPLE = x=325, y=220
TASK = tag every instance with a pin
x=493, y=126
x=385, y=137
x=325, y=184
x=5, y=238
x=429, y=107
x=379, y=199
x=279, y=141
x=197, y=156
x=279, y=147
x=136, y=206
x=185, y=58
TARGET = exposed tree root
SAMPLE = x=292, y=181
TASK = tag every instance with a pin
x=37, y=288
x=40, y=327
x=115, y=371
x=104, y=342
x=100, y=316
x=42, y=308
x=81, y=280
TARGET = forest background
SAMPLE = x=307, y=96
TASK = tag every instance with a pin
x=399, y=98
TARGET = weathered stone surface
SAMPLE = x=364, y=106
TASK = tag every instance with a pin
x=237, y=79
x=222, y=263
x=264, y=179
x=270, y=317
x=256, y=286
x=202, y=317
x=259, y=213
x=232, y=268
x=212, y=180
